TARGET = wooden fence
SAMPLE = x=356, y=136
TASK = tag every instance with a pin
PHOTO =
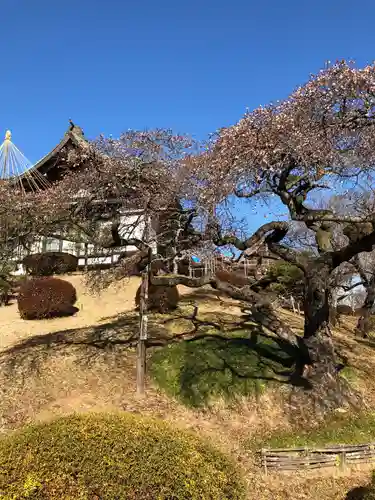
x=297, y=459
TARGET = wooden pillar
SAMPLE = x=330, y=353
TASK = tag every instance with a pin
x=292, y=301
x=143, y=330
x=143, y=318
x=86, y=256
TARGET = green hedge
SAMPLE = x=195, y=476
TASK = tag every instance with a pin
x=113, y=456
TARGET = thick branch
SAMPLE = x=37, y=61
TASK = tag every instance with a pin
x=364, y=244
x=279, y=231
x=249, y=194
x=362, y=273
x=327, y=215
x=260, y=309
x=180, y=279
x=351, y=287
x=288, y=254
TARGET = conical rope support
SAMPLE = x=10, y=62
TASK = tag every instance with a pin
x=17, y=169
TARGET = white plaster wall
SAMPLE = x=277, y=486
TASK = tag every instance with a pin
x=132, y=226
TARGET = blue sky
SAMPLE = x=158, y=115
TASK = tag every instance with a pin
x=192, y=66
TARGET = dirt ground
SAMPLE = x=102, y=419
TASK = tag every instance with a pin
x=82, y=363
x=93, y=310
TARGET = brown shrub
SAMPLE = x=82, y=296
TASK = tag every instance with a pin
x=344, y=310
x=48, y=263
x=5, y=291
x=232, y=277
x=160, y=298
x=46, y=298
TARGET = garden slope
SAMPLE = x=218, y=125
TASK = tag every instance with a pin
x=83, y=363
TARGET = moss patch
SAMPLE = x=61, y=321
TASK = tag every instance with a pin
x=202, y=370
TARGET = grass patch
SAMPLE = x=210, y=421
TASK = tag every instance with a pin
x=227, y=366
x=349, y=374
x=110, y=456
x=340, y=430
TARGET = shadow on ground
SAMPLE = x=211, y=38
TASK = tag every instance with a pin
x=196, y=358
x=111, y=336
x=208, y=367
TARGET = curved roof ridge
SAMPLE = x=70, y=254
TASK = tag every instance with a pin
x=74, y=134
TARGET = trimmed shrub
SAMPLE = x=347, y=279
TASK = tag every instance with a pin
x=160, y=298
x=48, y=263
x=233, y=277
x=110, y=456
x=5, y=291
x=6, y=281
x=367, y=493
x=361, y=493
x=46, y=298
x=344, y=310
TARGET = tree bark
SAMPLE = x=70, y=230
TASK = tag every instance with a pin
x=323, y=390
x=364, y=325
x=316, y=300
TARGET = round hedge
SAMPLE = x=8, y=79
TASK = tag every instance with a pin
x=46, y=297
x=49, y=263
x=366, y=493
x=162, y=299
x=113, y=456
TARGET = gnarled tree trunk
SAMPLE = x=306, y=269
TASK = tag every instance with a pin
x=324, y=390
x=363, y=325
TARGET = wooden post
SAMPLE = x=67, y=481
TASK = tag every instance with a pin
x=86, y=256
x=264, y=460
x=343, y=460
x=143, y=330
x=293, y=303
x=143, y=319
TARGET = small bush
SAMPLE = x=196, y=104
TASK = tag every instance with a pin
x=233, y=277
x=344, y=310
x=160, y=298
x=111, y=456
x=362, y=493
x=49, y=263
x=6, y=281
x=5, y=291
x=46, y=298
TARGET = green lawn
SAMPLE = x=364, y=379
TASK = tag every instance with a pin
x=342, y=429
x=225, y=365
